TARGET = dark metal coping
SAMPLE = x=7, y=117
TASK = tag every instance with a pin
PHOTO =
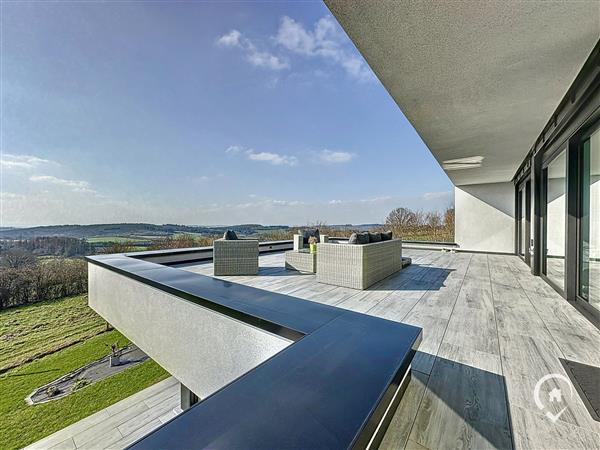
x=328, y=389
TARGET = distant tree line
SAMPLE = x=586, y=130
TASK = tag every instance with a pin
x=50, y=245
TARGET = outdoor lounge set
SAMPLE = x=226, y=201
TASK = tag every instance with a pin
x=358, y=263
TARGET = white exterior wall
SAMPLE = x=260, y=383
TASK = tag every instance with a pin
x=203, y=349
x=485, y=217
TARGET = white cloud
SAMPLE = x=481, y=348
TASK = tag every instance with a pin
x=445, y=195
x=272, y=158
x=332, y=157
x=10, y=161
x=234, y=149
x=275, y=159
x=266, y=59
x=11, y=196
x=74, y=185
x=231, y=39
x=256, y=57
x=325, y=40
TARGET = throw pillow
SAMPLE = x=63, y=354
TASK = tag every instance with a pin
x=362, y=238
x=230, y=235
x=374, y=237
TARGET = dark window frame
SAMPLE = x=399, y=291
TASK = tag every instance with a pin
x=590, y=128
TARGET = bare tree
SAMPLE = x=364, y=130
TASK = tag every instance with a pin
x=401, y=218
x=433, y=223
x=449, y=223
x=16, y=258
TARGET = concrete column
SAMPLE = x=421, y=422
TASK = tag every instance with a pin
x=188, y=398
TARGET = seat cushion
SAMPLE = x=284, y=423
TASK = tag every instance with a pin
x=386, y=236
x=359, y=238
x=230, y=235
x=374, y=237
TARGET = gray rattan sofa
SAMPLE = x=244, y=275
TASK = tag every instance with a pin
x=358, y=266
x=235, y=257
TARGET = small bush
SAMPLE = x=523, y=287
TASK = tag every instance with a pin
x=80, y=383
x=53, y=279
x=52, y=391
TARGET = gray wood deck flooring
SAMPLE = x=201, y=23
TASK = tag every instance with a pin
x=491, y=331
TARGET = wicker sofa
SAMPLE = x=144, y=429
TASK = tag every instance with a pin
x=358, y=266
x=235, y=257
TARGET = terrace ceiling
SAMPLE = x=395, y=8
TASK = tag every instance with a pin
x=478, y=80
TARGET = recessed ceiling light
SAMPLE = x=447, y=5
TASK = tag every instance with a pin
x=470, y=162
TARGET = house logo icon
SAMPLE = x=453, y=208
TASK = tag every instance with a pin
x=554, y=396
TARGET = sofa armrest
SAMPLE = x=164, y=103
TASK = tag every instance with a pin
x=298, y=242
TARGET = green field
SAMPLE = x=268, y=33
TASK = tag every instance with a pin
x=22, y=424
x=116, y=239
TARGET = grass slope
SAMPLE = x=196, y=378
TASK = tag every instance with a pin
x=21, y=424
x=31, y=331
x=71, y=335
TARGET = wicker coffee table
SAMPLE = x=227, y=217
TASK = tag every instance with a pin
x=301, y=260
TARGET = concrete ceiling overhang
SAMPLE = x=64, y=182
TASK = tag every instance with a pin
x=477, y=79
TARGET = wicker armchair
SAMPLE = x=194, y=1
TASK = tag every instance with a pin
x=358, y=266
x=235, y=257
x=299, y=241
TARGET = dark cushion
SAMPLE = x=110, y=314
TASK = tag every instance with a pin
x=230, y=235
x=374, y=237
x=308, y=233
x=363, y=238
x=386, y=236
x=359, y=238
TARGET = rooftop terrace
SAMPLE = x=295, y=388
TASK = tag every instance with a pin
x=491, y=330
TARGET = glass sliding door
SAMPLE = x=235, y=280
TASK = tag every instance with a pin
x=589, y=241
x=531, y=224
x=555, y=180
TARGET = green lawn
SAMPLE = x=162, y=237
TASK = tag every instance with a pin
x=31, y=331
x=21, y=424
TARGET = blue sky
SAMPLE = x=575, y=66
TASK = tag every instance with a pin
x=199, y=113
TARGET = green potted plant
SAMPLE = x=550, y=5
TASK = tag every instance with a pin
x=312, y=244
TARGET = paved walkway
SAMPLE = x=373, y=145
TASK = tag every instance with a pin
x=120, y=424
